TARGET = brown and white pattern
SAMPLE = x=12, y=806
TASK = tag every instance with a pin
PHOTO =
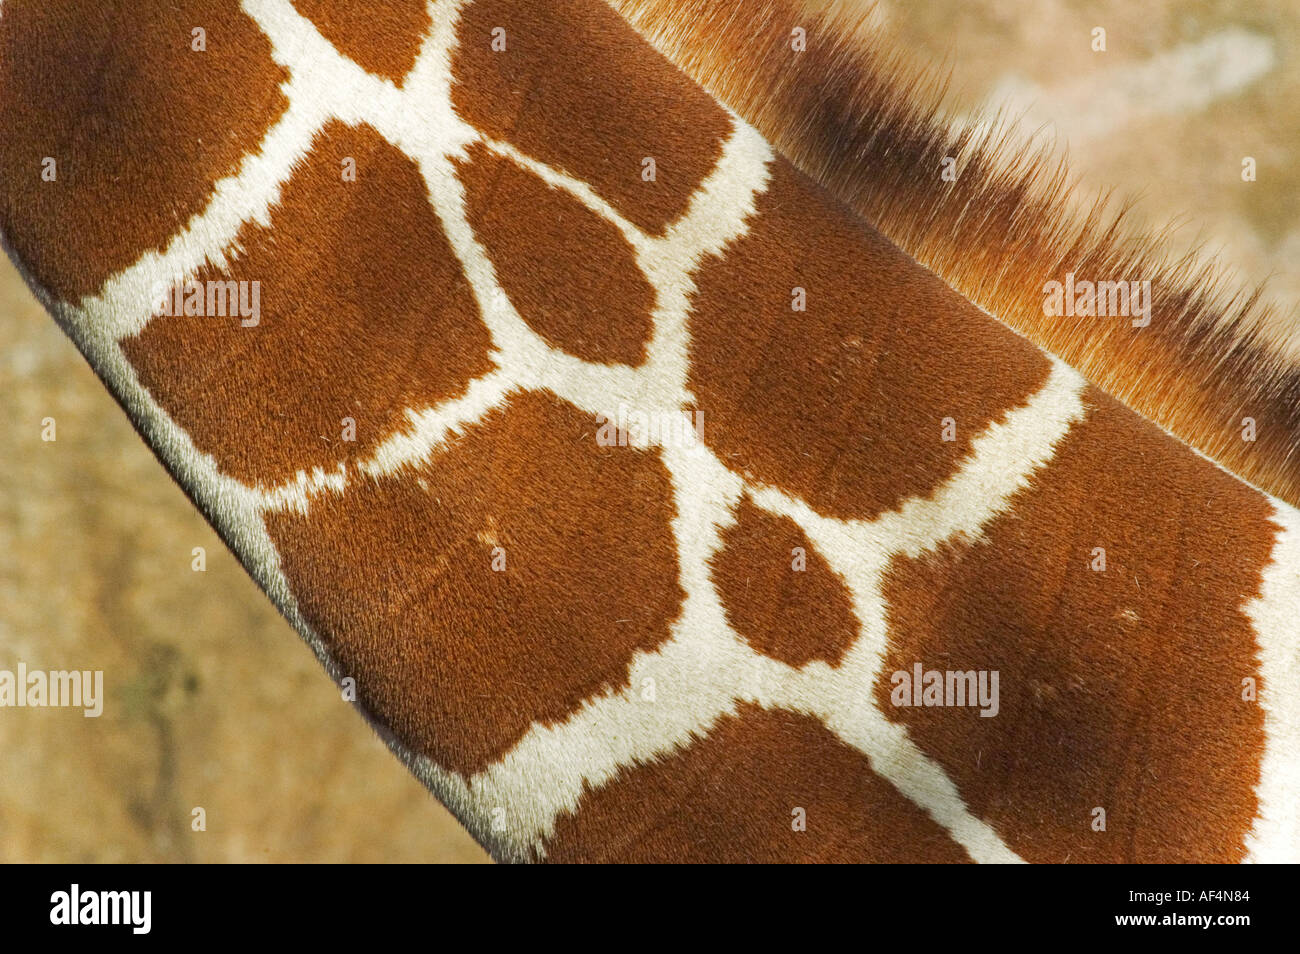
x=642, y=679
x=869, y=119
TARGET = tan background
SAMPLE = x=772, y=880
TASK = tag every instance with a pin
x=213, y=701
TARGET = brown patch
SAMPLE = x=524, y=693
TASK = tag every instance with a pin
x=871, y=127
x=365, y=313
x=1118, y=689
x=792, y=615
x=139, y=125
x=843, y=405
x=382, y=38
x=459, y=660
x=572, y=275
x=578, y=89
x=730, y=798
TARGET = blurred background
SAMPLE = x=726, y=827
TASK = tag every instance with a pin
x=214, y=701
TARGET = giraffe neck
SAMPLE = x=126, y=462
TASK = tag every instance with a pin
x=490, y=250
x=832, y=92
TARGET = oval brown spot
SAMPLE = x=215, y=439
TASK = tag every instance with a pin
x=382, y=38
x=571, y=275
x=577, y=88
x=844, y=404
x=140, y=127
x=459, y=658
x=731, y=797
x=778, y=591
x=1118, y=689
x=364, y=313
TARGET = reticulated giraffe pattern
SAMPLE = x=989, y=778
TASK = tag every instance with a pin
x=629, y=657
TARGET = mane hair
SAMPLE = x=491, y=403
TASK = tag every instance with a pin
x=871, y=127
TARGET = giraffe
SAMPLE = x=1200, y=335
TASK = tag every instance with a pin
x=1212, y=354
x=481, y=261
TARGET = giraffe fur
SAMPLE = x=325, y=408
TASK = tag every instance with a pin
x=607, y=692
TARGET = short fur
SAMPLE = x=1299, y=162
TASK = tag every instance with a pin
x=869, y=126
x=591, y=645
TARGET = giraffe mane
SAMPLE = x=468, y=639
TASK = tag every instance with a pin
x=869, y=123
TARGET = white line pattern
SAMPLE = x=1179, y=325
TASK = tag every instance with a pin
x=1276, y=615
